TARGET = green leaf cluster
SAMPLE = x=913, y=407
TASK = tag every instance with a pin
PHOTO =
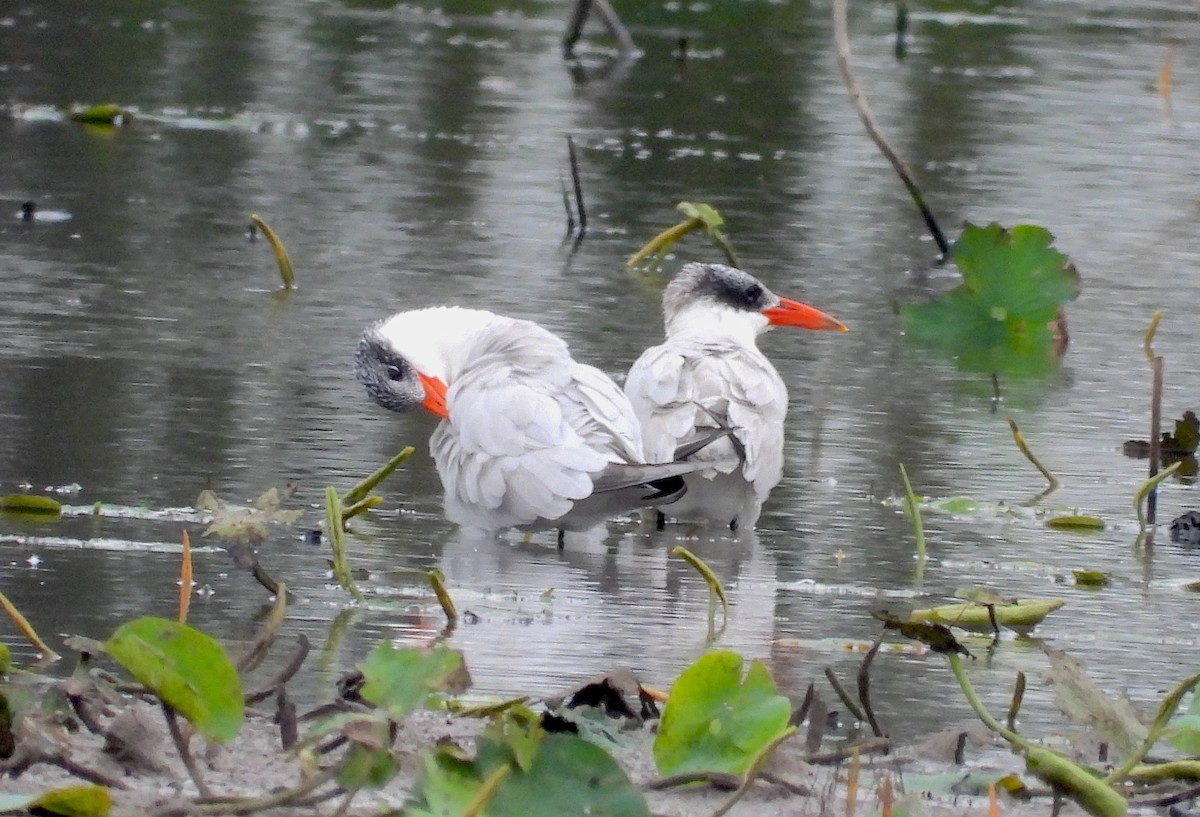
x=400, y=679
x=1003, y=315
x=520, y=771
x=717, y=721
x=186, y=669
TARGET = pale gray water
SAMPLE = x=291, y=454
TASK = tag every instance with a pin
x=410, y=155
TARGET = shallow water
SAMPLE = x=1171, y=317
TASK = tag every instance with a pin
x=411, y=154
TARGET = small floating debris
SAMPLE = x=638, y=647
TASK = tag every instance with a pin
x=106, y=114
x=30, y=213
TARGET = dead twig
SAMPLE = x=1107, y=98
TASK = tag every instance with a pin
x=864, y=685
x=577, y=184
x=867, y=746
x=257, y=651
x=841, y=40
x=185, y=754
x=284, y=675
x=845, y=698
x=1156, y=389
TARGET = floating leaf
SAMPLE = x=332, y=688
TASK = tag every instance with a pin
x=1091, y=578
x=184, y=667
x=68, y=801
x=247, y=526
x=937, y=637
x=1172, y=446
x=1075, y=522
x=105, y=114
x=1003, y=316
x=1021, y=616
x=568, y=776
x=30, y=503
x=716, y=721
x=400, y=679
x=1081, y=700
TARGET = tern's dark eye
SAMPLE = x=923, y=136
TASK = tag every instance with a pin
x=753, y=293
x=394, y=372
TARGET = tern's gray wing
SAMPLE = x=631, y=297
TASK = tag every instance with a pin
x=689, y=387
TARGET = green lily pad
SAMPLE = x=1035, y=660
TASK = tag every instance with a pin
x=1021, y=616
x=68, y=801
x=716, y=721
x=400, y=679
x=186, y=669
x=1002, y=316
x=568, y=776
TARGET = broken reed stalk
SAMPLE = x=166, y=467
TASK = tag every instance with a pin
x=257, y=650
x=1019, y=438
x=364, y=486
x=185, y=579
x=1148, y=486
x=286, y=272
x=1018, y=696
x=185, y=754
x=844, y=696
x=1148, y=339
x=577, y=184
x=562, y=183
x=333, y=525
x=841, y=40
x=864, y=685
x=715, y=590
x=1155, y=437
x=437, y=579
x=914, y=514
x=27, y=629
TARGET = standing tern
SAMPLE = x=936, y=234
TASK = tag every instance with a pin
x=710, y=374
x=529, y=438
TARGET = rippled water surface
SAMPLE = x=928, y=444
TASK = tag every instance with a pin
x=412, y=154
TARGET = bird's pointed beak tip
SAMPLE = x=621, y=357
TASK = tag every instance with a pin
x=803, y=316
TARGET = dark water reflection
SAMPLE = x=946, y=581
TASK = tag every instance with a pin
x=411, y=155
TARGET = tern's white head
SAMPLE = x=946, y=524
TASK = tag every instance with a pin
x=409, y=360
x=711, y=297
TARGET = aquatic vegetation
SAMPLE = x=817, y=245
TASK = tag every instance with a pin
x=286, y=272
x=108, y=113
x=716, y=720
x=715, y=591
x=188, y=670
x=1018, y=615
x=1006, y=315
x=30, y=504
x=699, y=216
x=85, y=800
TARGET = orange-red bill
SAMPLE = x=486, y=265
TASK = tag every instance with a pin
x=794, y=313
x=435, y=396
